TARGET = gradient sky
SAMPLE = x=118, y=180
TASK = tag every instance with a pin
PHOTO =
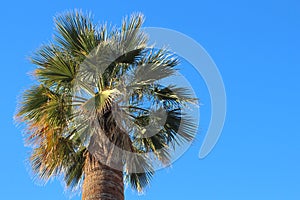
x=255, y=45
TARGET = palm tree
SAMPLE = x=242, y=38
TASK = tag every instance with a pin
x=89, y=117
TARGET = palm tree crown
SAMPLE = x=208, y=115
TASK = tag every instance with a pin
x=98, y=90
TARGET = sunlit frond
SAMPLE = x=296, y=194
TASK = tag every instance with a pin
x=51, y=157
x=34, y=99
x=56, y=66
x=76, y=33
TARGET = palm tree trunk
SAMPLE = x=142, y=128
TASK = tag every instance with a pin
x=101, y=182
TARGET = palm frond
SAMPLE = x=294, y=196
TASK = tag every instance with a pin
x=176, y=129
x=154, y=66
x=138, y=171
x=75, y=168
x=139, y=181
x=131, y=37
x=57, y=67
x=122, y=49
x=171, y=94
x=34, y=99
x=76, y=33
x=50, y=158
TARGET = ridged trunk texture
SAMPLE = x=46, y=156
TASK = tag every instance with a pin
x=101, y=182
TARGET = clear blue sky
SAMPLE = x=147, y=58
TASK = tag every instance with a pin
x=254, y=43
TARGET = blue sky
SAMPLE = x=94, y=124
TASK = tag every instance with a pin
x=255, y=45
